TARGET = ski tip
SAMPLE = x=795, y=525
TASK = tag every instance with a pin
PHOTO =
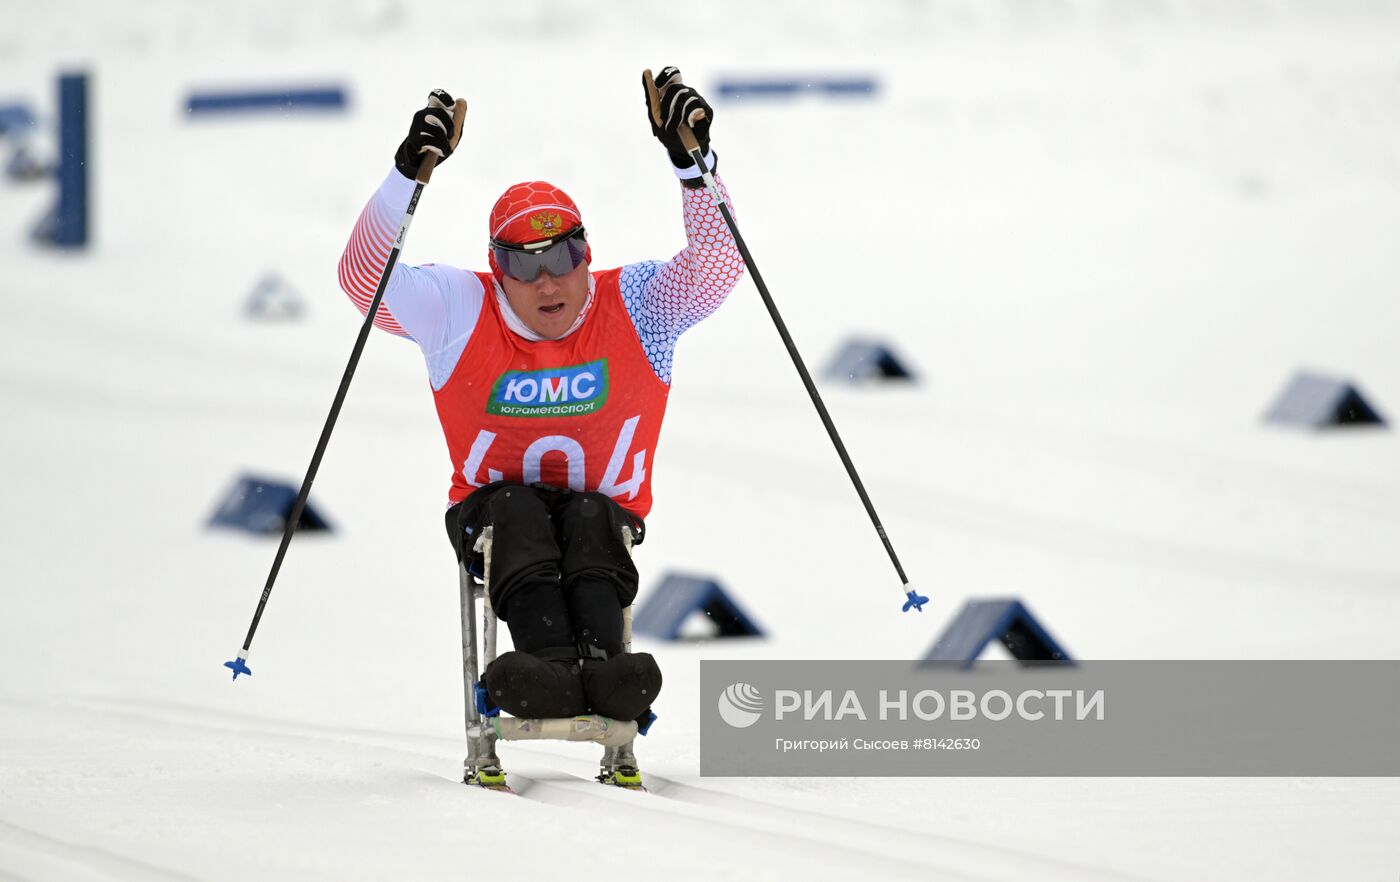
x=915, y=601
x=626, y=777
x=489, y=778
x=238, y=666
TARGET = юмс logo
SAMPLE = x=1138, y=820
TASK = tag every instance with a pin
x=741, y=705
x=551, y=392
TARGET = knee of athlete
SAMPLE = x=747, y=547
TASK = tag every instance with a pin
x=590, y=505
x=516, y=505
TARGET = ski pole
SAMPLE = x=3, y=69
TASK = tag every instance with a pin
x=425, y=173
x=913, y=600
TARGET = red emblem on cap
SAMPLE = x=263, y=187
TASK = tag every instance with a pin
x=547, y=223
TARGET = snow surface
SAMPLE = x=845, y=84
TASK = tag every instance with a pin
x=1132, y=221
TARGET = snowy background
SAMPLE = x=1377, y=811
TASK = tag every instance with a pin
x=1129, y=223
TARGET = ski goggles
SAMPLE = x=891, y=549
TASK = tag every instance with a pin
x=555, y=256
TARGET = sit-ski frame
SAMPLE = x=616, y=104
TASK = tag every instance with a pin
x=482, y=766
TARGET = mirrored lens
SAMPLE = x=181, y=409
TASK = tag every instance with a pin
x=558, y=259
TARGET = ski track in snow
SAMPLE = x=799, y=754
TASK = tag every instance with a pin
x=676, y=807
x=32, y=855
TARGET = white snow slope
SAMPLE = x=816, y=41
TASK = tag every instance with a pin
x=1119, y=228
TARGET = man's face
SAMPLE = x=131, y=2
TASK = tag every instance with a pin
x=549, y=304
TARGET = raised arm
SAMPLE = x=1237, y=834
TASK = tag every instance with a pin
x=433, y=305
x=666, y=299
x=411, y=293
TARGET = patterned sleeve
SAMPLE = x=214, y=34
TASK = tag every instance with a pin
x=434, y=305
x=666, y=299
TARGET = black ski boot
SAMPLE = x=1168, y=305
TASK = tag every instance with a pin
x=621, y=687
x=530, y=687
x=540, y=679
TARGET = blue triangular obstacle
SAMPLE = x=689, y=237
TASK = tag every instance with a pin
x=261, y=505
x=859, y=361
x=274, y=299
x=980, y=622
x=1315, y=401
x=678, y=596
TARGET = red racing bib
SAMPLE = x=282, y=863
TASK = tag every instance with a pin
x=583, y=412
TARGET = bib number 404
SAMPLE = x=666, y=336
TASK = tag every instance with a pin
x=534, y=455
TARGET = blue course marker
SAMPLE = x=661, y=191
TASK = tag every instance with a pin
x=265, y=100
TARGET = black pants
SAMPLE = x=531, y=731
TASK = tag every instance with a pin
x=560, y=572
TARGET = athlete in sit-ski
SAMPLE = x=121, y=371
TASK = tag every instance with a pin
x=550, y=381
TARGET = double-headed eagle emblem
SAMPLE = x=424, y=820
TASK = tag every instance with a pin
x=547, y=223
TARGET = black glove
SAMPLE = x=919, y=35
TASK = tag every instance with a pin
x=431, y=132
x=676, y=103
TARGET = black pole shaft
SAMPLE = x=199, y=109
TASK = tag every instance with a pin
x=801, y=367
x=295, y=517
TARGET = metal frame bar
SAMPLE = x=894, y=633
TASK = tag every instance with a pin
x=481, y=740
